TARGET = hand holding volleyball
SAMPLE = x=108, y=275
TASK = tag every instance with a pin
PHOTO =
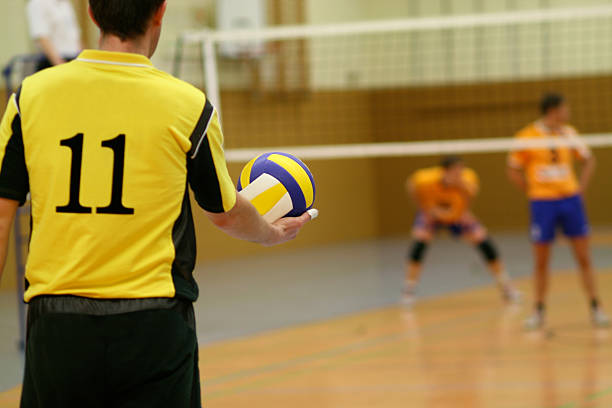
x=278, y=185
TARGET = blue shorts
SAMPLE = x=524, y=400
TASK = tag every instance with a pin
x=456, y=229
x=567, y=213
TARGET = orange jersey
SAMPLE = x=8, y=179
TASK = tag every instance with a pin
x=549, y=171
x=431, y=192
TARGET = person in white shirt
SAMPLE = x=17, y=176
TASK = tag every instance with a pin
x=54, y=28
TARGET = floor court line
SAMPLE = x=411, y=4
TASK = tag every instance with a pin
x=560, y=299
x=362, y=346
x=356, y=346
x=331, y=354
x=440, y=322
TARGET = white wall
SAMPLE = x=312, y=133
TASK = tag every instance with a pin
x=13, y=31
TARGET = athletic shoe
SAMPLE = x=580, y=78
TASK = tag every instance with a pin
x=408, y=297
x=600, y=318
x=534, y=322
x=510, y=294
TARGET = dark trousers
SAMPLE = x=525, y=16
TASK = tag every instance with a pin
x=143, y=358
x=44, y=63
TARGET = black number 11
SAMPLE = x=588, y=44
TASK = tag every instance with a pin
x=74, y=204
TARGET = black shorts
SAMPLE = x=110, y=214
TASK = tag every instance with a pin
x=124, y=353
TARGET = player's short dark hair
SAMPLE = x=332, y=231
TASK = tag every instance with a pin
x=550, y=100
x=449, y=161
x=124, y=18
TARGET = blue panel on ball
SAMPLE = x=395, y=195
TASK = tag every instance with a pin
x=306, y=169
x=292, y=186
x=259, y=167
x=262, y=165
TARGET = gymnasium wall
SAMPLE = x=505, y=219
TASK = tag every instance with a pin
x=415, y=113
x=363, y=198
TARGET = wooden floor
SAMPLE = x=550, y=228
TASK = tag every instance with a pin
x=463, y=350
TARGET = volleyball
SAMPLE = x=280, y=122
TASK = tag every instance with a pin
x=278, y=185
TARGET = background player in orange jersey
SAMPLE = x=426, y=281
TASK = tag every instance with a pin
x=443, y=195
x=555, y=193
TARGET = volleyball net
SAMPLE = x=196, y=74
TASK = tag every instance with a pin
x=432, y=85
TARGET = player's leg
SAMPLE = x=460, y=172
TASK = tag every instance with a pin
x=541, y=254
x=64, y=359
x=544, y=216
x=152, y=359
x=477, y=234
x=576, y=227
x=422, y=233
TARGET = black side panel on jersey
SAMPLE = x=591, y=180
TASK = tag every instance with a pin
x=201, y=170
x=18, y=99
x=200, y=129
x=14, y=181
x=184, y=239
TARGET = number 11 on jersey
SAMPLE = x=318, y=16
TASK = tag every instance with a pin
x=74, y=205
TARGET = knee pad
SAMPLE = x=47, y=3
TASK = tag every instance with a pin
x=488, y=250
x=417, y=252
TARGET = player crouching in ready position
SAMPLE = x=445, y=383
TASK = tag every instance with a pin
x=443, y=195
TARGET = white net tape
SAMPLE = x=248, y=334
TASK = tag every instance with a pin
x=398, y=87
x=428, y=148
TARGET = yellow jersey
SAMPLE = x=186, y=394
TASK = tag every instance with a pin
x=107, y=146
x=549, y=172
x=431, y=192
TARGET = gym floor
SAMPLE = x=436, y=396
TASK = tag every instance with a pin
x=322, y=328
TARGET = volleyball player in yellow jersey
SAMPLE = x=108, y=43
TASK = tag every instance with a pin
x=548, y=178
x=443, y=195
x=108, y=146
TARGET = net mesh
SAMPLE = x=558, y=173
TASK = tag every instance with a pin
x=449, y=78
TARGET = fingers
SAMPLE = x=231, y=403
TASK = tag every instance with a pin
x=298, y=221
x=313, y=212
x=308, y=216
x=289, y=227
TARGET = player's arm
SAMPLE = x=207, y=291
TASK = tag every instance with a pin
x=517, y=161
x=14, y=181
x=433, y=211
x=216, y=194
x=40, y=29
x=8, y=209
x=469, y=185
x=411, y=190
x=588, y=169
x=47, y=47
x=517, y=177
x=244, y=222
x=586, y=157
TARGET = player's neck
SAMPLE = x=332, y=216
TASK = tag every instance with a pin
x=551, y=124
x=140, y=45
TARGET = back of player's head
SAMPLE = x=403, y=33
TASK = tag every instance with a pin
x=549, y=101
x=448, y=162
x=125, y=19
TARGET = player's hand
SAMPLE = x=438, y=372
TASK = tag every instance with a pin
x=288, y=228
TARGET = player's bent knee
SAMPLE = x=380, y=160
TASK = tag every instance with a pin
x=417, y=251
x=477, y=235
x=420, y=234
x=488, y=250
